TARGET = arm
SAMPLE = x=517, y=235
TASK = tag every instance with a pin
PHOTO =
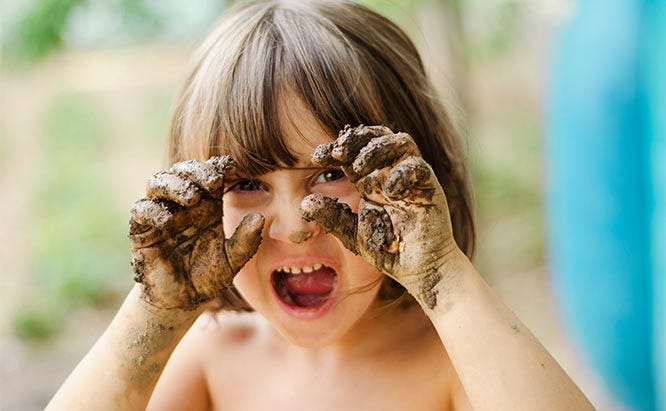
x=122, y=368
x=403, y=228
x=181, y=260
x=183, y=384
x=501, y=365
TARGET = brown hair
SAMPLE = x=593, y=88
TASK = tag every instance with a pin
x=348, y=65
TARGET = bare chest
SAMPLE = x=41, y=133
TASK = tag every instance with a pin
x=261, y=384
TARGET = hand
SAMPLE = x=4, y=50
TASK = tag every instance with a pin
x=403, y=226
x=179, y=251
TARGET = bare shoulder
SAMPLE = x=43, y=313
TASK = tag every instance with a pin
x=226, y=328
x=216, y=341
x=223, y=340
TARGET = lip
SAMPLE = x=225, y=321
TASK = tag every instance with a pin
x=305, y=313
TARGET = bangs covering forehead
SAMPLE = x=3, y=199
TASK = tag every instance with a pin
x=345, y=63
x=248, y=67
x=292, y=53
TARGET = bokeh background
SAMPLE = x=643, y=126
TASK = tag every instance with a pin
x=86, y=88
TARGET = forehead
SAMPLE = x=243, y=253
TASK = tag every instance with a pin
x=301, y=130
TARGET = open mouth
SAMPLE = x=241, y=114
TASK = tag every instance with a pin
x=308, y=287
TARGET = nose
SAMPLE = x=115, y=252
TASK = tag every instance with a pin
x=286, y=224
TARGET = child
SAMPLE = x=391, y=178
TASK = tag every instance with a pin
x=353, y=254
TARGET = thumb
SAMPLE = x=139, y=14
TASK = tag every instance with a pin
x=245, y=241
x=336, y=218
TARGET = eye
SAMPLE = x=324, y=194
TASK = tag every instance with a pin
x=329, y=175
x=246, y=185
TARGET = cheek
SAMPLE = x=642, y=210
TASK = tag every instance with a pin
x=231, y=219
x=248, y=285
x=236, y=206
x=360, y=272
x=366, y=270
x=351, y=198
x=343, y=190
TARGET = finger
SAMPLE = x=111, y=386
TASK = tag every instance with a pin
x=145, y=238
x=383, y=152
x=224, y=165
x=203, y=174
x=245, y=241
x=138, y=228
x=322, y=156
x=351, y=140
x=148, y=213
x=411, y=180
x=168, y=186
x=336, y=218
x=148, y=222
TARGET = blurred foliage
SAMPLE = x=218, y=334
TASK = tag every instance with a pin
x=3, y=148
x=39, y=321
x=155, y=116
x=397, y=11
x=40, y=30
x=485, y=30
x=497, y=33
x=80, y=249
x=138, y=12
x=508, y=197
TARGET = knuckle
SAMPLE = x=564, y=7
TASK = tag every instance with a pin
x=169, y=186
x=322, y=154
x=203, y=175
x=223, y=165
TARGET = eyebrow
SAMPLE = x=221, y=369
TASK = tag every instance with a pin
x=301, y=168
x=240, y=175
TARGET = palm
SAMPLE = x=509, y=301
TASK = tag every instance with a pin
x=179, y=251
x=402, y=226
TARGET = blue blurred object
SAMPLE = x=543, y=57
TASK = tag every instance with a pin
x=606, y=151
x=654, y=58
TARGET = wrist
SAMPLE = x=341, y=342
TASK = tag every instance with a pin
x=144, y=303
x=436, y=289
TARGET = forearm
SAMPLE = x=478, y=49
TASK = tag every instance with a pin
x=122, y=368
x=501, y=365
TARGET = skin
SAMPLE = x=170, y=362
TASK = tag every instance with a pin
x=279, y=200
x=324, y=361
x=460, y=348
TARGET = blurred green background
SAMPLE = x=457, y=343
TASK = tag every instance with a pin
x=86, y=87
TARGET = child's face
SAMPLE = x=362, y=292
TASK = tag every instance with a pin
x=309, y=309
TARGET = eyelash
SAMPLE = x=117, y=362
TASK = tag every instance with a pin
x=237, y=186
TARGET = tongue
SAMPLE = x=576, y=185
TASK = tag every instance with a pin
x=316, y=283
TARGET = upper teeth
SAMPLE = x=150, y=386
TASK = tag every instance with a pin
x=298, y=270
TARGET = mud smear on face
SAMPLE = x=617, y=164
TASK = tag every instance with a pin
x=305, y=290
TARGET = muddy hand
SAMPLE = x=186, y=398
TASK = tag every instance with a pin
x=402, y=226
x=179, y=251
